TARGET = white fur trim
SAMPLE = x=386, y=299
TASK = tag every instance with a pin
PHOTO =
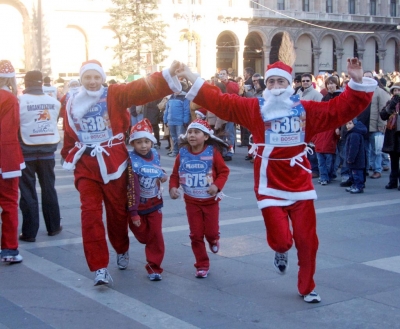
x=368, y=85
x=92, y=66
x=201, y=114
x=274, y=203
x=142, y=134
x=173, y=82
x=11, y=174
x=7, y=75
x=195, y=89
x=279, y=73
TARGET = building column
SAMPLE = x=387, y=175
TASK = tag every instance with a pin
x=360, y=53
x=240, y=50
x=382, y=55
x=316, y=53
x=266, y=51
x=339, y=55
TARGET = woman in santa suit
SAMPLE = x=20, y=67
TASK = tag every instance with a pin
x=94, y=148
x=11, y=163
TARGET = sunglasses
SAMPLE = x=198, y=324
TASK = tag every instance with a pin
x=305, y=80
x=255, y=81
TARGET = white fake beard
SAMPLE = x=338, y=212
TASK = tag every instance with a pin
x=84, y=100
x=277, y=103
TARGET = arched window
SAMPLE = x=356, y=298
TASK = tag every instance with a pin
x=306, y=5
x=393, y=8
x=352, y=6
x=372, y=7
x=329, y=6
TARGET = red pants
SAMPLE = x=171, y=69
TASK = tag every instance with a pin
x=203, y=222
x=280, y=238
x=150, y=233
x=114, y=195
x=9, y=214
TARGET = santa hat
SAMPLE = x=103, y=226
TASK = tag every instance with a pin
x=142, y=129
x=202, y=112
x=92, y=65
x=72, y=81
x=6, y=69
x=279, y=69
x=204, y=127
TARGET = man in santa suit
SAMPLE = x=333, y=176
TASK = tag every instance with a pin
x=11, y=163
x=281, y=126
x=96, y=122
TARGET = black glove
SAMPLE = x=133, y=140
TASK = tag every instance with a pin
x=393, y=102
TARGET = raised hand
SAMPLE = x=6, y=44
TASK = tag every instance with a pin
x=175, y=68
x=185, y=72
x=354, y=69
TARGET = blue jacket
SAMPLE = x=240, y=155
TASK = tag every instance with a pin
x=354, y=148
x=177, y=110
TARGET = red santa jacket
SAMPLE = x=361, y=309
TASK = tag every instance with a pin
x=104, y=167
x=11, y=159
x=279, y=176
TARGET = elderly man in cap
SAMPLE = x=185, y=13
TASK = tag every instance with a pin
x=281, y=126
x=39, y=138
x=96, y=122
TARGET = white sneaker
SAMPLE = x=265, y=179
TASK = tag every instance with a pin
x=102, y=277
x=123, y=260
x=312, y=297
x=155, y=277
x=200, y=274
x=281, y=262
x=12, y=259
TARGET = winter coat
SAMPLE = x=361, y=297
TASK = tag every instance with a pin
x=391, y=142
x=326, y=141
x=370, y=116
x=152, y=112
x=177, y=110
x=309, y=94
x=354, y=148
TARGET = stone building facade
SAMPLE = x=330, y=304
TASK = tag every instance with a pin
x=56, y=36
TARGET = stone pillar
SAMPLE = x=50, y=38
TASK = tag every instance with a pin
x=316, y=53
x=240, y=50
x=266, y=50
x=360, y=53
x=339, y=55
x=382, y=55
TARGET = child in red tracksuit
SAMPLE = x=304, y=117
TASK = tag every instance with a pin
x=201, y=171
x=144, y=196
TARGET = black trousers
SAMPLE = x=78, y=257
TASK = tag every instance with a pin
x=394, y=177
x=28, y=203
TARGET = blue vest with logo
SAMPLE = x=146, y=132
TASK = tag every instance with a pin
x=95, y=126
x=195, y=172
x=149, y=171
x=289, y=130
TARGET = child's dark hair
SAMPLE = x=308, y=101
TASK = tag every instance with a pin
x=218, y=144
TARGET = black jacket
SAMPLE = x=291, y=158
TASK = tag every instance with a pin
x=355, y=153
x=391, y=142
